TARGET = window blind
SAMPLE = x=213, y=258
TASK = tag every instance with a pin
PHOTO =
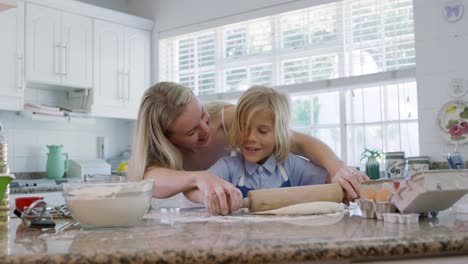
x=348, y=66
x=341, y=39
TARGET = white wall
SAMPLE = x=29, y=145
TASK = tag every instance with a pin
x=27, y=139
x=441, y=55
x=182, y=16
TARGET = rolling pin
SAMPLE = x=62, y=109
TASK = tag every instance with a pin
x=269, y=199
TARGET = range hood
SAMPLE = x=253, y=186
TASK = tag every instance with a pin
x=7, y=4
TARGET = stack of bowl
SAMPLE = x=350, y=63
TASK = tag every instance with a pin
x=3, y=157
x=4, y=219
x=5, y=179
x=4, y=209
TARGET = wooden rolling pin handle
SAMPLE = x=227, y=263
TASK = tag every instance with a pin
x=269, y=199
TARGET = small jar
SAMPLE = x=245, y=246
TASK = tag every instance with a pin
x=417, y=164
x=395, y=164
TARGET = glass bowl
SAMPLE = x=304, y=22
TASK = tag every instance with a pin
x=112, y=202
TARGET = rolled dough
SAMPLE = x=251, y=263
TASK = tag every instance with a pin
x=306, y=209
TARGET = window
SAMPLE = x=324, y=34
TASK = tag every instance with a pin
x=348, y=67
x=382, y=117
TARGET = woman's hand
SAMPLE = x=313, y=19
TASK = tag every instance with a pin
x=349, y=178
x=219, y=196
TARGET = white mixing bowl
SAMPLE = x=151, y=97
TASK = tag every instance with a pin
x=98, y=204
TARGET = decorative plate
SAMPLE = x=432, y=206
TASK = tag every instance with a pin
x=453, y=121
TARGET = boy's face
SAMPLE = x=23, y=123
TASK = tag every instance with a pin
x=259, y=142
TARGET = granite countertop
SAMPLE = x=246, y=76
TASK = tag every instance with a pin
x=192, y=236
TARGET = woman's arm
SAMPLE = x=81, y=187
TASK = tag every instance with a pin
x=316, y=151
x=321, y=154
x=219, y=196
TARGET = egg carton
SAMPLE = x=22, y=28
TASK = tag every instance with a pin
x=396, y=218
x=371, y=209
x=430, y=191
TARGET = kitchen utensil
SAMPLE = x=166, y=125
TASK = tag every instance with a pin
x=57, y=162
x=35, y=215
x=22, y=202
x=269, y=199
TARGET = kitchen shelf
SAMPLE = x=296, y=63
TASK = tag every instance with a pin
x=77, y=118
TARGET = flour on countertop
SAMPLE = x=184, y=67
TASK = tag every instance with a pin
x=176, y=215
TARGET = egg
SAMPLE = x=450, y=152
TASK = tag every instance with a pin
x=383, y=195
x=369, y=193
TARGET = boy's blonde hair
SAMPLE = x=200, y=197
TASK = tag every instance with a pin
x=256, y=99
x=160, y=106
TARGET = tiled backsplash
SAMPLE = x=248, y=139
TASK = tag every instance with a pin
x=27, y=139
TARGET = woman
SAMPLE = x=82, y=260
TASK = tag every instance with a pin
x=176, y=140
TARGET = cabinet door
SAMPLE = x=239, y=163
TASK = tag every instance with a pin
x=76, y=50
x=11, y=62
x=137, y=67
x=42, y=44
x=108, y=68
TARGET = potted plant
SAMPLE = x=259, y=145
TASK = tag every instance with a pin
x=372, y=164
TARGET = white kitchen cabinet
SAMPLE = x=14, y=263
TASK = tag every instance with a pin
x=58, y=47
x=122, y=69
x=137, y=71
x=11, y=62
x=108, y=61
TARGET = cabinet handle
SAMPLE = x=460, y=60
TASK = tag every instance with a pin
x=119, y=84
x=57, y=59
x=127, y=75
x=19, y=72
x=65, y=59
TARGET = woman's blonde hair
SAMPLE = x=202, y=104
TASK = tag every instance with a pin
x=160, y=106
x=256, y=99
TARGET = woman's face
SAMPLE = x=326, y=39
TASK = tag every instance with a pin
x=259, y=142
x=191, y=130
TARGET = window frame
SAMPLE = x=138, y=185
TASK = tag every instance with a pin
x=278, y=55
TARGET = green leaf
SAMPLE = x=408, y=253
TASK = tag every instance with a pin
x=451, y=123
x=464, y=114
x=368, y=153
x=458, y=139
